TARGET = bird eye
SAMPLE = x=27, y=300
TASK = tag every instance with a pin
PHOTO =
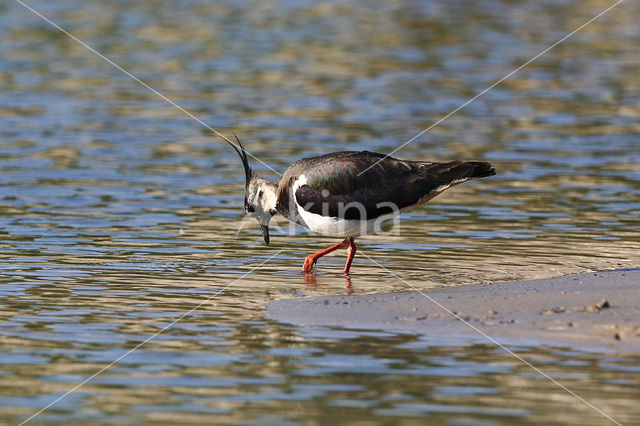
x=251, y=209
x=272, y=212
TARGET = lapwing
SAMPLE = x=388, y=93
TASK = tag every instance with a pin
x=349, y=194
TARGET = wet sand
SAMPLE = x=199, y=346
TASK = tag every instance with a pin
x=594, y=311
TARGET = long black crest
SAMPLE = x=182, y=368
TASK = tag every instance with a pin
x=248, y=173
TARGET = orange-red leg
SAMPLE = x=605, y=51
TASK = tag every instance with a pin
x=311, y=260
x=351, y=253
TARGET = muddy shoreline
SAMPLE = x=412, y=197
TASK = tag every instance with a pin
x=595, y=311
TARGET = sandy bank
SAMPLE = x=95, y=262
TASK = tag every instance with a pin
x=596, y=310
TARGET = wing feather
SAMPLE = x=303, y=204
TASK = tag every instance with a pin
x=334, y=187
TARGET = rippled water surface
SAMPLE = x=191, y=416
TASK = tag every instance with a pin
x=119, y=213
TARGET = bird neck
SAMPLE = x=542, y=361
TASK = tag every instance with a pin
x=270, y=193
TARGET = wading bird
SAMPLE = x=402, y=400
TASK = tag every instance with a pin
x=348, y=194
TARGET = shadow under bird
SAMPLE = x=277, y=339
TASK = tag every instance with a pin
x=348, y=194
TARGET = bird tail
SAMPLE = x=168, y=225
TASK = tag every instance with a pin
x=456, y=172
x=439, y=177
x=479, y=169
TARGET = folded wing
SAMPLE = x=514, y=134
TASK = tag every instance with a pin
x=334, y=186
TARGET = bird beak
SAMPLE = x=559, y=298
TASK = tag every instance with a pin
x=265, y=233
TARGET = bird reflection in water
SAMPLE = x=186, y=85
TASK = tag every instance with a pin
x=311, y=282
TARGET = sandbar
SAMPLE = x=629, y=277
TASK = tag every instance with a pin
x=596, y=311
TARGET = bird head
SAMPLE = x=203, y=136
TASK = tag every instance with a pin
x=260, y=202
x=259, y=195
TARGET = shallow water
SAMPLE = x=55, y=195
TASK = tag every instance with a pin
x=119, y=213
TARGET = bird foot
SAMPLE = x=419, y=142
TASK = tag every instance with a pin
x=309, y=263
